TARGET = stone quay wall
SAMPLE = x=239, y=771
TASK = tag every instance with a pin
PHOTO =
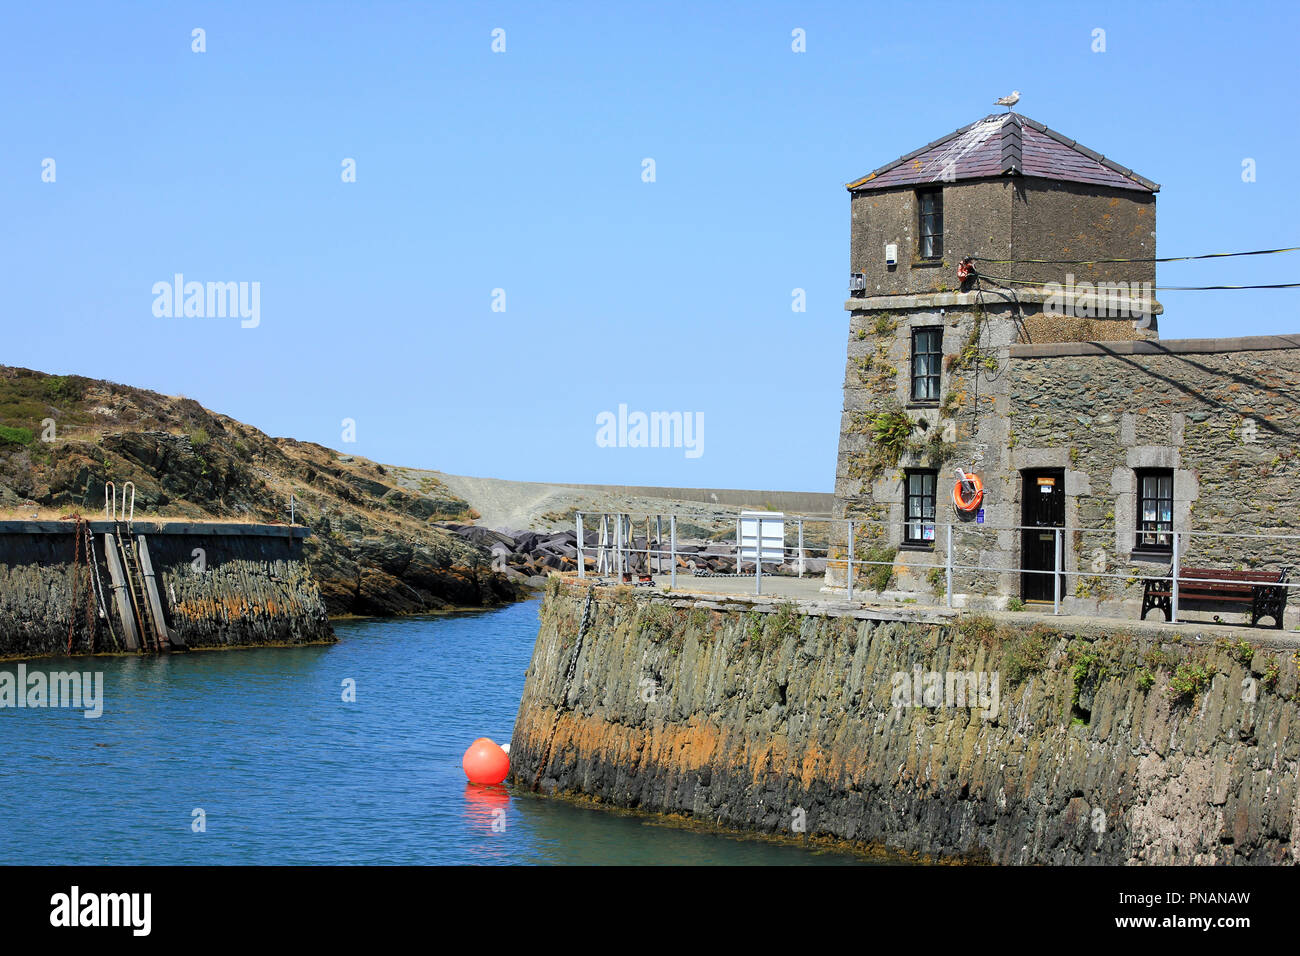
x=1103, y=746
x=220, y=585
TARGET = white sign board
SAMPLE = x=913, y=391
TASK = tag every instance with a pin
x=772, y=545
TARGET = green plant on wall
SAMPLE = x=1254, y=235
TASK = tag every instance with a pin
x=935, y=450
x=892, y=432
x=1189, y=679
x=970, y=355
x=1241, y=651
x=1272, y=671
x=1086, y=671
x=878, y=575
x=884, y=324
x=1025, y=653
x=656, y=622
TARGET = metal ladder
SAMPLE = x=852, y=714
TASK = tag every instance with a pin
x=135, y=589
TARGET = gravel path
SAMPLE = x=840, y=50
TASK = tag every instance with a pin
x=538, y=506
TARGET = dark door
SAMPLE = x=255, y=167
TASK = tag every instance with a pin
x=1043, y=497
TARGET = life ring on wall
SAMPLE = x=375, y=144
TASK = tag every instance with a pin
x=977, y=496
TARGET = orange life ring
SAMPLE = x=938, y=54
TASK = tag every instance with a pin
x=964, y=504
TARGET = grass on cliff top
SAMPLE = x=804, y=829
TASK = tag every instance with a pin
x=27, y=398
x=16, y=436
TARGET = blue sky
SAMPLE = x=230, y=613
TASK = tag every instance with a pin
x=522, y=171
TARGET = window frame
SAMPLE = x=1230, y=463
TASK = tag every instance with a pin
x=921, y=521
x=936, y=374
x=1149, y=531
x=926, y=223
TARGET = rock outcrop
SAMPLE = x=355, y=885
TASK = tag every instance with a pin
x=376, y=547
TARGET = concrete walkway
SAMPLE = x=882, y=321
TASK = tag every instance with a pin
x=808, y=594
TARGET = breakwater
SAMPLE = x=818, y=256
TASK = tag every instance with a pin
x=106, y=586
x=1105, y=743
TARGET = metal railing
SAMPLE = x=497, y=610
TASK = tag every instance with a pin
x=114, y=512
x=616, y=553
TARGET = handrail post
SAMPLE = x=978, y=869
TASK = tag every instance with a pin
x=947, y=571
x=1175, y=569
x=672, y=544
x=618, y=547
x=1056, y=572
x=739, y=550
x=801, y=557
x=582, y=561
x=848, y=578
x=758, y=558
x=659, y=544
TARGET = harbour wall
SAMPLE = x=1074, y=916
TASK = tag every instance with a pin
x=219, y=585
x=1154, y=744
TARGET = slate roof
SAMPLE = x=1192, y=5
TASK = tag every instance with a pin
x=1003, y=144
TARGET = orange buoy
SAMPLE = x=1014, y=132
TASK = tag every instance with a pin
x=485, y=762
x=968, y=492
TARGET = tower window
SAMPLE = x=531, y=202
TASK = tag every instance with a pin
x=929, y=204
x=1155, y=509
x=927, y=359
x=919, y=528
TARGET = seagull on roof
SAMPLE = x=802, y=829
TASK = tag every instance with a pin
x=1008, y=101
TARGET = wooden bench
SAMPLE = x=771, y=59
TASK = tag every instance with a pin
x=1262, y=592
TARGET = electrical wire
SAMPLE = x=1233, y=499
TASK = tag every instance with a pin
x=1158, y=288
x=1077, y=262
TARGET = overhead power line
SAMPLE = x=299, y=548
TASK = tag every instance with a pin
x=1208, y=255
x=1157, y=288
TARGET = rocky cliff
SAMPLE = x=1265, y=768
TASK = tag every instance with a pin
x=1076, y=744
x=376, y=548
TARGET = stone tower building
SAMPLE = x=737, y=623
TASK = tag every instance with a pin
x=1042, y=372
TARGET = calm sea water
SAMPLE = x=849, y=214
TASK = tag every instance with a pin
x=286, y=772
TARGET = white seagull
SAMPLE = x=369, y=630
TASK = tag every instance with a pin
x=1008, y=101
